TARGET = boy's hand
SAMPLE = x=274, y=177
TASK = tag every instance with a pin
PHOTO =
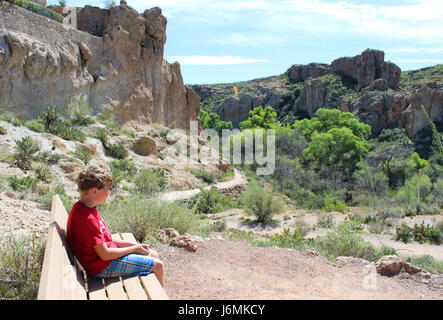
x=141, y=249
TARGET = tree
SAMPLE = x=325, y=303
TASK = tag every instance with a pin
x=211, y=120
x=335, y=139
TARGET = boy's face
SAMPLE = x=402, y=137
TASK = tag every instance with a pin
x=100, y=195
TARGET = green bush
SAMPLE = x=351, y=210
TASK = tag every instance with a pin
x=144, y=217
x=210, y=201
x=26, y=148
x=2, y=130
x=325, y=222
x=261, y=202
x=59, y=127
x=21, y=184
x=207, y=177
x=344, y=243
x=334, y=205
x=403, y=233
x=150, y=181
x=122, y=169
x=21, y=260
x=35, y=7
x=117, y=151
x=427, y=263
x=36, y=125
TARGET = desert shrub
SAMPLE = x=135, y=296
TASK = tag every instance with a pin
x=334, y=205
x=207, y=177
x=144, y=217
x=2, y=131
x=325, y=222
x=427, y=263
x=59, y=127
x=408, y=193
x=21, y=184
x=26, y=148
x=83, y=154
x=36, y=125
x=21, y=260
x=46, y=198
x=218, y=226
x=344, y=243
x=422, y=234
x=288, y=239
x=210, y=201
x=43, y=173
x=114, y=150
x=122, y=169
x=80, y=114
x=150, y=181
x=261, y=202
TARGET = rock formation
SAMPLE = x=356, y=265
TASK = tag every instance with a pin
x=370, y=65
x=43, y=62
x=299, y=72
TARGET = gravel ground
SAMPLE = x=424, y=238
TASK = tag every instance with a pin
x=222, y=269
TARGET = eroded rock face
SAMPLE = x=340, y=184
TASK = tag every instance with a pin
x=370, y=65
x=49, y=65
x=299, y=72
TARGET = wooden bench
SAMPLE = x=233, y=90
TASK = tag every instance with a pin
x=63, y=277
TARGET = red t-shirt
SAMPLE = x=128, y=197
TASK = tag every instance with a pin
x=86, y=229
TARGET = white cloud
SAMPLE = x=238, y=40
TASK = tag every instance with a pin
x=213, y=60
x=418, y=61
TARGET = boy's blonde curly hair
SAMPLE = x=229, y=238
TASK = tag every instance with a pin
x=93, y=176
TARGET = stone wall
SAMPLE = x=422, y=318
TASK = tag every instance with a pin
x=15, y=18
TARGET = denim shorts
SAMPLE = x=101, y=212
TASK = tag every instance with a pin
x=132, y=264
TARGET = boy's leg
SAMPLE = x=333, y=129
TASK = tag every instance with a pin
x=159, y=271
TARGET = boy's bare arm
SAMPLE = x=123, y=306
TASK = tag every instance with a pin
x=124, y=243
x=106, y=253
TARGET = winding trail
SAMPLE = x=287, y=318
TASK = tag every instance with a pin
x=238, y=180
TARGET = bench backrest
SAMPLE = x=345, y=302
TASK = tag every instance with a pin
x=59, y=279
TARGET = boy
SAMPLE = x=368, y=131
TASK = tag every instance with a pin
x=92, y=244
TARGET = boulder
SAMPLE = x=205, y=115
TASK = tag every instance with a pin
x=145, y=147
x=171, y=236
x=393, y=265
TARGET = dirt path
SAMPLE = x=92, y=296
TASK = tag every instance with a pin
x=238, y=179
x=237, y=270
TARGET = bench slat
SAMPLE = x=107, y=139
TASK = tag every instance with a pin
x=114, y=288
x=153, y=288
x=128, y=237
x=53, y=269
x=96, y=289
x=134, y=288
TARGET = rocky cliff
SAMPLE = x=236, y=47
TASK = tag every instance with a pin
x=375, y=90
x=43, y=62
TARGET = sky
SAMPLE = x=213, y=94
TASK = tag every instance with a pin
x=224, y=41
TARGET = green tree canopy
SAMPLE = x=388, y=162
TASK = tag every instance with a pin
x=334, y=138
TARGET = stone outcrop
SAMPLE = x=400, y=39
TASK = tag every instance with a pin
x=367, y=67
x=393, y=265
x=43, y=62
x=299, y=72
x=413, y=118
x=171, y=236
x=236, y=108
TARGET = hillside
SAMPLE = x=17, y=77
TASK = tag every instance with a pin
x=303, y=89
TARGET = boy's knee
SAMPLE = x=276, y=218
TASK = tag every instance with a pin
x=158, y=265
x=153, y=253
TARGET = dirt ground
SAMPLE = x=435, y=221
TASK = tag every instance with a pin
x=222, y=269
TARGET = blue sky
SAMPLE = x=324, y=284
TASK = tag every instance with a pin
x=219, y=41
